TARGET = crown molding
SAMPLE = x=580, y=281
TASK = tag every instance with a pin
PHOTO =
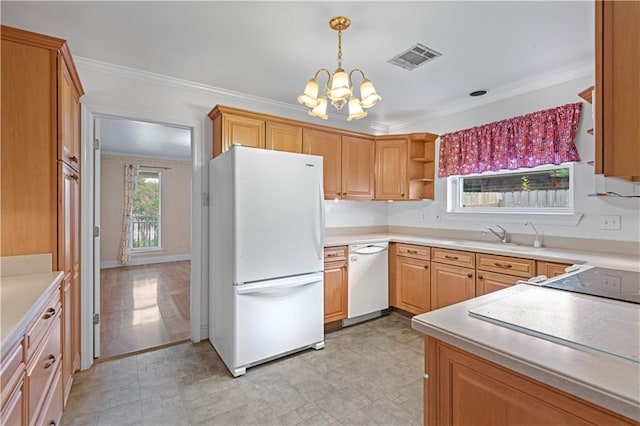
x=500, y=93
x=178, y=83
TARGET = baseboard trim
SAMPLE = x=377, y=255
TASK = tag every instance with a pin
x=145, y=261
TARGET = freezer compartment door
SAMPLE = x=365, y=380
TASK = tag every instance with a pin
x=277, y=316
x=279, y=214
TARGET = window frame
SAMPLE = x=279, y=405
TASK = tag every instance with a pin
x=455, y=191
x=138, y=250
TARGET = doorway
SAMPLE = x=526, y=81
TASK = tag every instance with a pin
x=142, y=296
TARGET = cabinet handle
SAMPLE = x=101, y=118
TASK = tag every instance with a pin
x=49, y=313
x=402, y=195
x=446, y=256
x=470, y=275
x=344, y=193
x=503, y=265
x=480, y=277
x=426, y=266
x=73, y=159
x=332, y=254
x=51, y=360
x=53, y=423
x=412, y=251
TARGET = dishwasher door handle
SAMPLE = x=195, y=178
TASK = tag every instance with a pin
x=370, y=249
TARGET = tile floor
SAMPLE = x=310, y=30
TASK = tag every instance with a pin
x=368, y=374
x=143, y=306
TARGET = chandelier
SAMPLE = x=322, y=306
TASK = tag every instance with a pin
x=339, y=86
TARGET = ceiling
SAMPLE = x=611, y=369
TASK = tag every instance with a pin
x=270, y=49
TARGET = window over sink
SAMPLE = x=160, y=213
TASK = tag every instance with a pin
x=542, y=189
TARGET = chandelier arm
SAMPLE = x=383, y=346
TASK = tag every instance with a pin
x=319, y=71
x=354, y=70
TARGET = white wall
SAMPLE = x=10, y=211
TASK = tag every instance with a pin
x=410, y=214
x=347, y=213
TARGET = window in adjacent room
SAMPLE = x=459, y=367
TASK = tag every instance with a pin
x=145, y=220
x=543, y=189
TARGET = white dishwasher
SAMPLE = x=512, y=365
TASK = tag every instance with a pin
x=368, y=280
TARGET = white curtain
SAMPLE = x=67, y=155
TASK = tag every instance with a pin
x=130, y=181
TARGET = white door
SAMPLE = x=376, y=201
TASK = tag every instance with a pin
x=277, y=316
x=279, y=204
x=96, y=239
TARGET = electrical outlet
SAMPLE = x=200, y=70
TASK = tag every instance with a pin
x=423, y=216
x=610, y=223
x=438, y=217
x=366, y=216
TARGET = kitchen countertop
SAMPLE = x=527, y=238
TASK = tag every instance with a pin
x=550, y=254
x=24, y=294
x=604, y=379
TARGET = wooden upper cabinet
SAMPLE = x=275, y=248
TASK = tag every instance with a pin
x=329, y=146
x=391, y=169
x=405, y=166
x=283, y=137
x=358, y=162
x=242, y=130
x=69, y=138
x=617, y=128
x=230, y=126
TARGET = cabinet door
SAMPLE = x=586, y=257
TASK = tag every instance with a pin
x=335, y=291
x=69, y=119
x=69, y=263
x=243, y=130
x=550, y=269
x=617, y=87
x=391, y=169
x=488, y=282
x=329, y=147
x=413, y=285
x=451, y=284
x=283, y=137
x=13, y=411
x=467, y=390
x=358, y=156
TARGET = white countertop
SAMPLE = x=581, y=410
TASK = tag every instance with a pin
x=550, y=254
x=21, y=297
x=606, y=380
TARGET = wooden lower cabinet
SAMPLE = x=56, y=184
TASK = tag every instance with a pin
x=13, y=410
x=451, y=284
x=550, y=269
x=464, y=389
x=335, y=284
x=487, y=282
x=413, y=285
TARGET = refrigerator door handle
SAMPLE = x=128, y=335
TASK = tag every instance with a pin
x=322, y=222
x=277, y=285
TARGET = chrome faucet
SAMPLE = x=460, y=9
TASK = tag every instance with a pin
x=503, y=235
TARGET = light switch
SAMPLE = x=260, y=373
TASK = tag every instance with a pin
x=611, y=223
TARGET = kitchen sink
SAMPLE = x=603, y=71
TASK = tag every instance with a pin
x=496, y=246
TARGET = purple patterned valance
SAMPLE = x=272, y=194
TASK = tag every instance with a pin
x=542, y=137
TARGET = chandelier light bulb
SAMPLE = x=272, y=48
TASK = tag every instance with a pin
x=355, y=110
x=309, y=97
x=320, y=110
x=368, y=94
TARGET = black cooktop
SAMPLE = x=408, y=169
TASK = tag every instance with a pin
x=602, y=282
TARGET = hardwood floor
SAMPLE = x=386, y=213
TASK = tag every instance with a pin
x=143, y=306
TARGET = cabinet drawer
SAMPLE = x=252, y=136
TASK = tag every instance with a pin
x=332, y=254
x=506, y=265
x=12, y=367
x=410, y=250
x=550, y=269
x=42, y=368
x=453, y=257
x=488, y=282
x=41, y=323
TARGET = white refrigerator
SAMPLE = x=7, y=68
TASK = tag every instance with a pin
x=266, y=238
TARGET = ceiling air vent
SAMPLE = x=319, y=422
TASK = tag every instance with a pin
x=414, y=57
